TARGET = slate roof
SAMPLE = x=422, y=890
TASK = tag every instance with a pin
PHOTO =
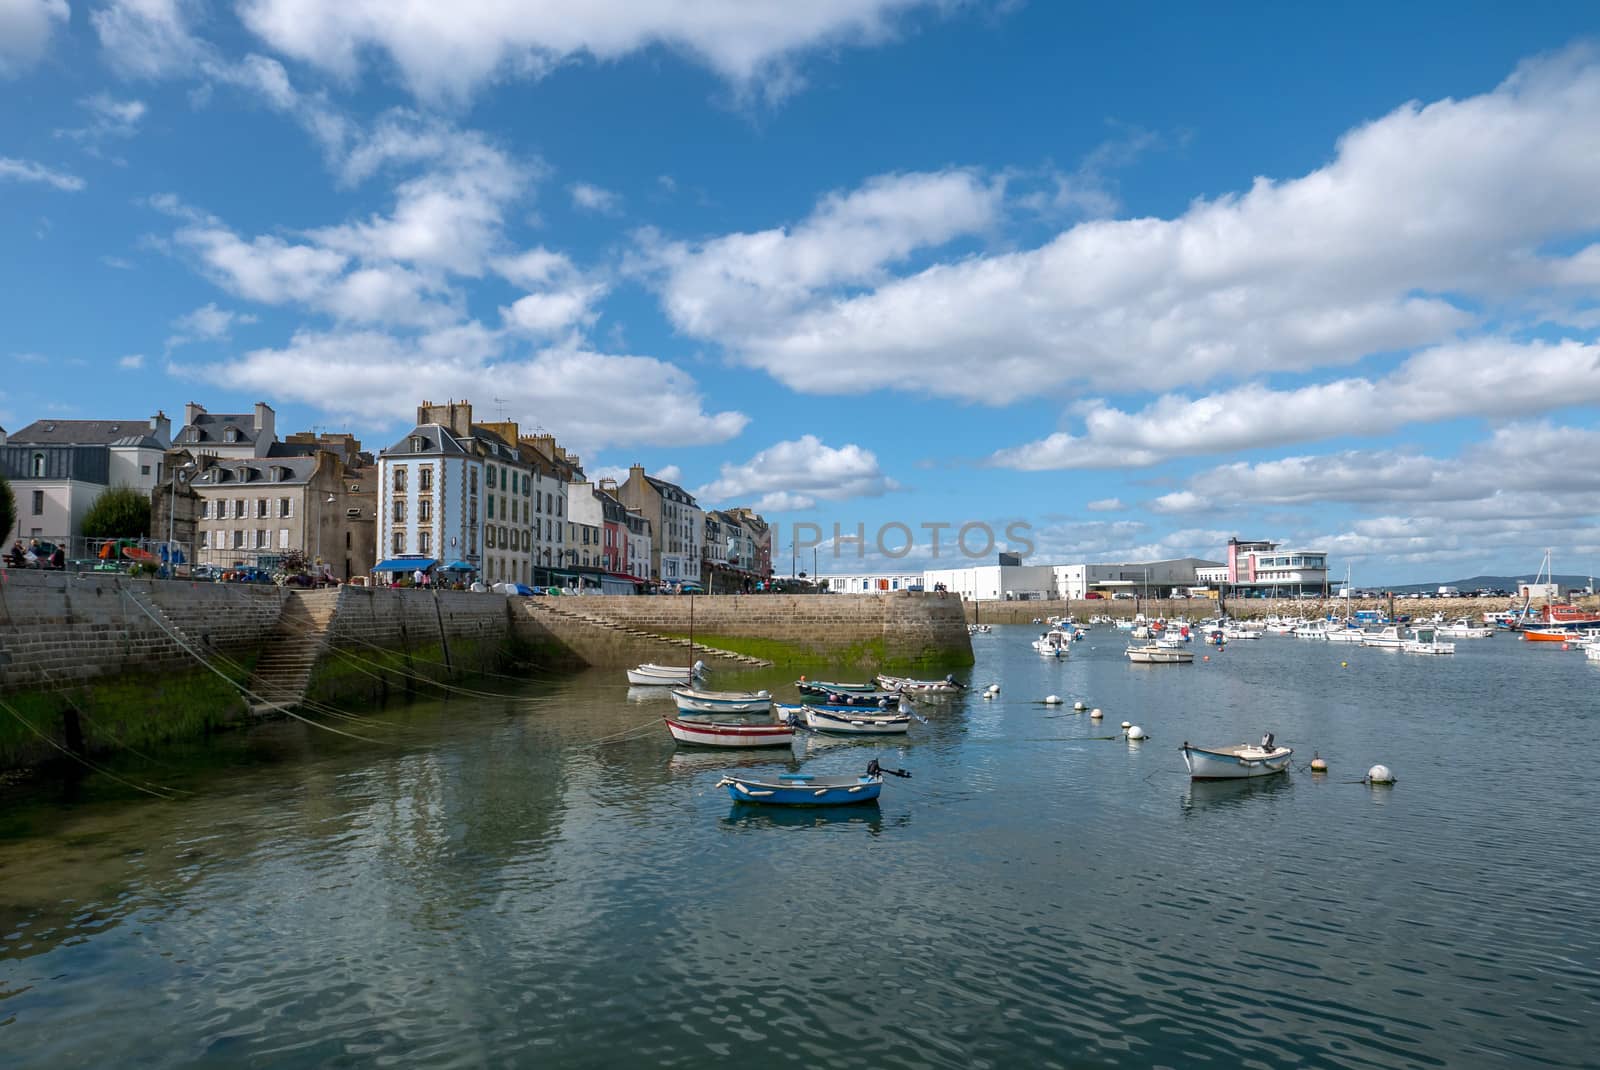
x=283, y=471
x=210, y=428
x=85, y=433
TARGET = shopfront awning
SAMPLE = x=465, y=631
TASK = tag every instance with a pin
x=405, y=564
x=459, y=566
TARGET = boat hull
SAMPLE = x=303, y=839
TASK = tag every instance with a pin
x=1544, y=635
x=855, y=722
x=730, y=734
x=799, y=789
x=1159, y=656
x=721, y=702
x=1234, y=763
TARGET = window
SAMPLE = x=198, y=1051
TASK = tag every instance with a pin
x=502, y=479
x=283, y=538
x=425, y=510
x=144, y=469
x=231, y=435
x=425, y=478
x=261, y=507
x=238, y=507
x=238, y=539
x=262, y=542
x=284, y=509
x=38, y=503
x=425, y=542
x=397, y=543
x=472, y=481
x=38, y=466
x=205, y=508
x=205, y=540
x=399, y=480
x=491, y=506
x=399, y=512
x=347, y=541
x=488, y=537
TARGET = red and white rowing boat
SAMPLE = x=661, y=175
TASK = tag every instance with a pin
x=731, y=733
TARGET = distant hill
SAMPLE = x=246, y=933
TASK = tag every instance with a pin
x=1500, y=583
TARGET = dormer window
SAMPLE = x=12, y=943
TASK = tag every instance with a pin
x=242, y=474
x=418, y=444
x=231, y=435
x=38, y=466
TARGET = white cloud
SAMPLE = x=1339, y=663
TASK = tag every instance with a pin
x=148, y=38
x=1485, y=377
x=1518, y=459
x=669, y=472
x=108, y=118
x=450, y=50
x=208, y=323
x=29, y=171
x=589, y=400
x=1106, y=505
x=1420, y=217
x=799, y=473
x=26, y=27
x=563, y=298
x=592, y=198
x=131, y=362
x=737, y=284
x=117, y=262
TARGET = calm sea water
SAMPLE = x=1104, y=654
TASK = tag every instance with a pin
x=498, y=884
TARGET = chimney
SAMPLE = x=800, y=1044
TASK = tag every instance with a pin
x=161, y=429
x=266, y=432
x=190, y=411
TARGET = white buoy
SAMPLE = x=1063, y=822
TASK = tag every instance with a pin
x=1080, y=705
x=1052, y=700
x=1135, y=733
x=1380, y=774
x=1126, y=725
x=1096, y=714
x=1319, y=764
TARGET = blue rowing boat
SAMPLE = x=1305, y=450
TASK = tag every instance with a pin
x=805, y=789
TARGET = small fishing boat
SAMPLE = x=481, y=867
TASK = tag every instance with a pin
x=650, y=675
x=1389, y=638
x=1345, y=634
x=1466, y=628
x=1056, y=643
x=947, y=686
x=855, y=722
x=714, y=733
x=856, y=698
x=806, y=789
x=1550, y=635
x=1237, y=762
x=694, y=700
x=828, y=687
x=1159, y=655
x=1313, y=629
x=1425, y=641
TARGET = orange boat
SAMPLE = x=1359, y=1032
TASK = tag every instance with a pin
x=1549, y=635
x=1567, y=613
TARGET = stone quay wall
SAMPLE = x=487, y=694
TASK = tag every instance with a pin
x=58, y=629
x=869, y=629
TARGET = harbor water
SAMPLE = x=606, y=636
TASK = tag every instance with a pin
x=542, y=879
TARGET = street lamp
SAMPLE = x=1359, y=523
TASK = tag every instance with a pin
x=331, y=499
x=182, y=474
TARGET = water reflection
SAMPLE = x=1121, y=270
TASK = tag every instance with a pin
x=750, y=817
x=1232, y=794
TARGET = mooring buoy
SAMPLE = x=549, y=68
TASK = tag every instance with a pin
x=1380, y=774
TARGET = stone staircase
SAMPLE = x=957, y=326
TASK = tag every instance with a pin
x=555, y=607
x=292, y=649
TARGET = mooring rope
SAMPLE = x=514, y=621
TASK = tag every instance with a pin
x=159, y=791
x=420, y=678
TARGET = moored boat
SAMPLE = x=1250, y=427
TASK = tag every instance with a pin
x=855, y=722
x=1236, y=762
x=1550, y=635
x=1466, y=628
x=807, y=789
x=1389, y=638
x=694, y=700
x=651, y=675
x=1056, y=643
x=1159, y=655
x=826, y=687
x=1425, y=641
x=947, y=686
x=712, y=733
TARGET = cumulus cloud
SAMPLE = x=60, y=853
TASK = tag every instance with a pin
x=26, y=27
x=1485, y=377
x=450, y=50
x=588, y=399
x=29, y=171
x=592, y=198
x=148, y=38
x=796, y=474
x=1106, y=505
x=1420, y=217
x=208, y=323
x=132, y=362
x=733, y=286
x=561, y=297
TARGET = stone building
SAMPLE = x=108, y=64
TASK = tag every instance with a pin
x=57, y=468
x=677, y=525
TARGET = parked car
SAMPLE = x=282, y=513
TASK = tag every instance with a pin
x=1094, y=594
x=206, y=573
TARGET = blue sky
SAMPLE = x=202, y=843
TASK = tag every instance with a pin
x=1139, y=278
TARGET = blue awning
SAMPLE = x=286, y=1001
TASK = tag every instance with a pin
x=459, y=566
x=405, y=564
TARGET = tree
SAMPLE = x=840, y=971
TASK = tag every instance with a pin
x=119, y=513
x=8, y=507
